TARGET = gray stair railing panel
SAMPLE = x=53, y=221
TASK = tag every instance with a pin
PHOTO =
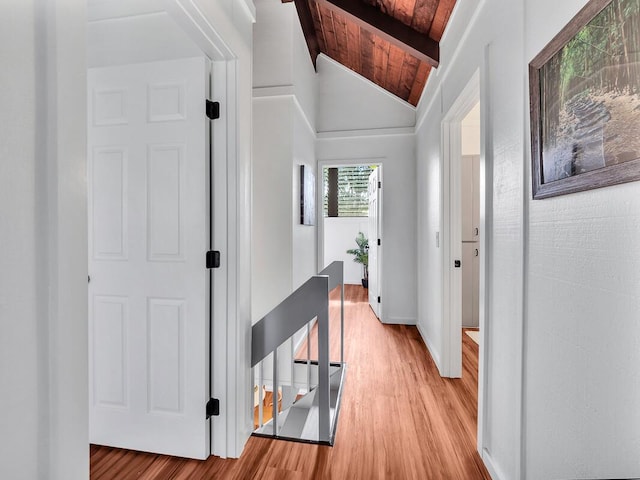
x=324, y=424
x=309, y=302
x=286, y=319
x=335, y=272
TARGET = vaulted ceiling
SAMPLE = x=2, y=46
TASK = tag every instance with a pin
x=393, y=43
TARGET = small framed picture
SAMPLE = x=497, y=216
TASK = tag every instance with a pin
x=307, y=196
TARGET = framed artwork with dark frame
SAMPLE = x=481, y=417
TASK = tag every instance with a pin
x=585, y=102
x=307, y=196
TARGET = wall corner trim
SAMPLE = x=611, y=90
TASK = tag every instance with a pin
x=369, y=132
x=249, y=9
x=284, y=91
x=274, y=91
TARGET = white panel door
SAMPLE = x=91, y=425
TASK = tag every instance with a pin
x=148, y=179
x=374, y=235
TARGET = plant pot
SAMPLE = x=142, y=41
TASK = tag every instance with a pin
x=365, y=282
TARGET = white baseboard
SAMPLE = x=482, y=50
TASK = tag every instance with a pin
x=432, y=351
x=492, y=468
x=399, y=321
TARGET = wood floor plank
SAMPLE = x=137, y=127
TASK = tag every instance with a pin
x=399, y=419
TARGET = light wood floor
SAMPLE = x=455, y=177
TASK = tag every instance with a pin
x=399, y=420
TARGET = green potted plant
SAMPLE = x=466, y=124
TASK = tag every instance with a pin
x=361, y=255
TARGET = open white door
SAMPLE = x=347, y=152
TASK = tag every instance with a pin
x=374, y=240
x=148, y=183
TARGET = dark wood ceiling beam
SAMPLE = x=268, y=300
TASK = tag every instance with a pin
x=394, y=31
x=308, y=27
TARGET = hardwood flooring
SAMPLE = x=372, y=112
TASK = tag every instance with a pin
x=399, y=419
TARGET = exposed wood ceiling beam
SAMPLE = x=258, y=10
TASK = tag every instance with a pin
x=308, y=28
x=394, y=31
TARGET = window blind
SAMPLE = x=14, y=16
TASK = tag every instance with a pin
x=350, y=193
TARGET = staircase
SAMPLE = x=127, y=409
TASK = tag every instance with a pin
x=306, y=392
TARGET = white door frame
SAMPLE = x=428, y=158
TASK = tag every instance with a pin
x=380, y=192
x=347, y=162
x=452, y=218
x=230, y=379
x=475, y=90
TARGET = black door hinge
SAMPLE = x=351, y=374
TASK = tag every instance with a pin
x=213, y=110
x=378, y=299
x=213, y=407
x=379, y=184
x=379, y=242
x=213, y=259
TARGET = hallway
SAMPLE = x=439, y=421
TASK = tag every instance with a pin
x=399, y=419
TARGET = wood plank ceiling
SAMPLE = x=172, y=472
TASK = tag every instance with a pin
x=393, y=43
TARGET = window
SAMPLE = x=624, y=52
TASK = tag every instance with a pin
x=346, y=191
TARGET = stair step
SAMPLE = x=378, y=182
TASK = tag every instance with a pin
x=300, y=374
x=300, y=421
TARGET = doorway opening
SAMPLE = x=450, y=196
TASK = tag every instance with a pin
x=465, y=191
x=157, y=177
x=470, y=224
x=350, y=226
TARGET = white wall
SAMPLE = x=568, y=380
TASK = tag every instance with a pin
x=563, y=273
x=43, y=242
x=305, y=78
x=496, y=29
x=339, y=235
x=284, y=251
x=396, y=153
x=136, y=39
x=272, y=49
x=429, y=238
x=582, y=382
x=282, y=65
x=305, y=237
x=349, y=102
x=19, y=302
x=271, y=279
